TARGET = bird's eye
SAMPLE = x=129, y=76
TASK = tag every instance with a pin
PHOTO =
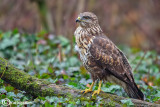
x=86, y=17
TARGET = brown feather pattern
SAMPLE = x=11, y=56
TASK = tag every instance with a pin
x=102, y=58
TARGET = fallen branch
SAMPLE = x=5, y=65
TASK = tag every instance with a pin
x=38, y=87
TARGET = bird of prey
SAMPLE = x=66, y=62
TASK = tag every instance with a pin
x=101, y=58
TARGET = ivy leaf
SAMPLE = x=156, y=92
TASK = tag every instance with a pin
x=64, y=41
x=111, y=89
x=11, y=94
x=9, y=42
x=128, y=102
x=2, y=90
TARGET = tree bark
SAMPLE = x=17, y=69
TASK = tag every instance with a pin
x=38, y=87
x=45, y=15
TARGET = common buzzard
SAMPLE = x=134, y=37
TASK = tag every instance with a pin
x=102, y=59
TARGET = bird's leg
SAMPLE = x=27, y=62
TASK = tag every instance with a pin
x=99, y=89
x=88, y=90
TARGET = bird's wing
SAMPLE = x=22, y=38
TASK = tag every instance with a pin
x=125, y=61
x=111, y=58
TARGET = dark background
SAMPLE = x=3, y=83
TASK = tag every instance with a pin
x=132, y=22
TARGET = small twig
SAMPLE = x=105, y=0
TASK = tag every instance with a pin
x=140, y=61
x=60, y=53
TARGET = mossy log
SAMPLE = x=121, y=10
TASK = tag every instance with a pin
x=39, y=87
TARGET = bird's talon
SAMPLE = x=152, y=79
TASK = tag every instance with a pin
x=82, y=91
x=86, y=91
x=96, y=92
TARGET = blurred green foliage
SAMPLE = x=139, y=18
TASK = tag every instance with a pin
x=51, y=57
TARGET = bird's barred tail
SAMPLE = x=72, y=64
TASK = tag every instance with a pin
x=134, y=92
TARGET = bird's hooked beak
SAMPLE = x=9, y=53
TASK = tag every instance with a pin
x=78, y=19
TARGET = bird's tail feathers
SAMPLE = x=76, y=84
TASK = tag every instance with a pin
x=134, y=92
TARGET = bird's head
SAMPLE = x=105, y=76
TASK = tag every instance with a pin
x=87, y=19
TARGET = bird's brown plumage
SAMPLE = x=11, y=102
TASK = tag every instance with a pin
x=101, y=57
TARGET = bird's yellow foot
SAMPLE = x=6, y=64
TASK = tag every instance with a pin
x=86, y=91
x=99, y=89
x=96, y=92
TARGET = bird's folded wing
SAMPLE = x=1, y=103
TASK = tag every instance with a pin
x=111, y=58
